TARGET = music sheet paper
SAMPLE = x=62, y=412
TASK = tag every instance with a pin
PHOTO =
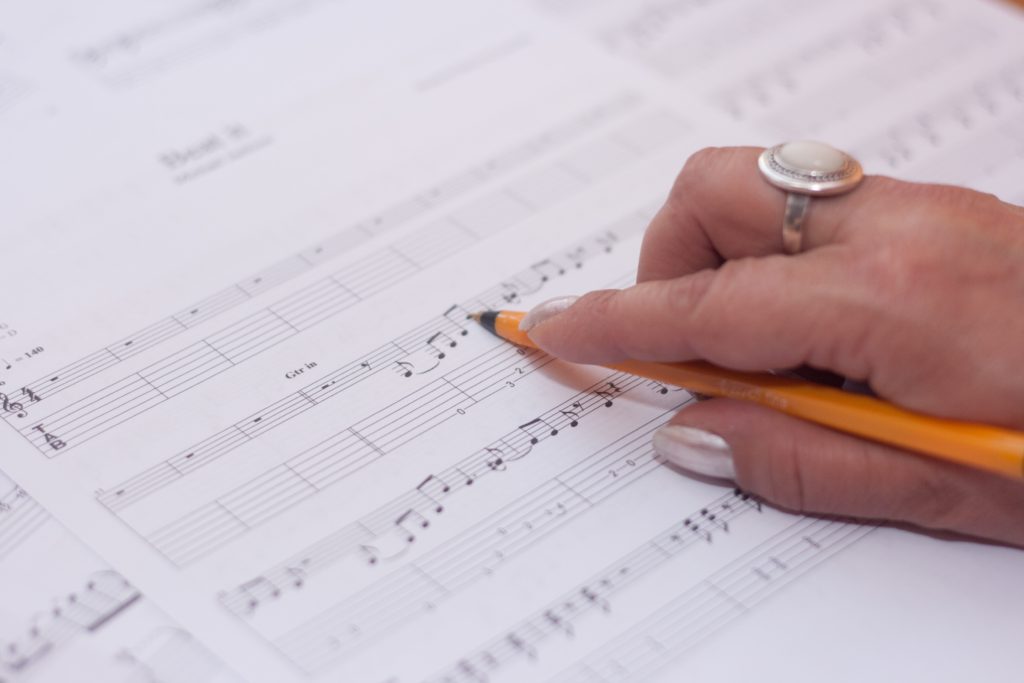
x=239, y=243
x=66, y=615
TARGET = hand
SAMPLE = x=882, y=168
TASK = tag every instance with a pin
x=917, y=290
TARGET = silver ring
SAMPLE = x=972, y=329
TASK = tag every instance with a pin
x=806, y=169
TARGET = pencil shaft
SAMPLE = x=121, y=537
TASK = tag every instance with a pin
x=974, y=445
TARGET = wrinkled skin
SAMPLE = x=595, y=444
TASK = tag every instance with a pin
x=917, y=290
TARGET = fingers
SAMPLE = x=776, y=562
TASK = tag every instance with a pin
x=721, y=208
x=751, y=314
x=806, y=468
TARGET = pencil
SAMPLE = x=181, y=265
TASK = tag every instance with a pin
x=974, y=445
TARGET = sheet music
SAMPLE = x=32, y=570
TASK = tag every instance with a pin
x=239, y=367
x=66, y=615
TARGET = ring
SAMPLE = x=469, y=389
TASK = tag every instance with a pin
x=806, y=169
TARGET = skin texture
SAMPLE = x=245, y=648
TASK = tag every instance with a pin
x=917, y=290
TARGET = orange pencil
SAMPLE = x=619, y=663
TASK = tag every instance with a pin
x=974, y=445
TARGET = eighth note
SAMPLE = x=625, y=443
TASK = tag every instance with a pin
x=439, y=488
x=439, y=339
x=525, y=427
x=458, y=320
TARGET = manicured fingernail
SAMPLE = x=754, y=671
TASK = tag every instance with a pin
x=544, y=311
x=695, y=450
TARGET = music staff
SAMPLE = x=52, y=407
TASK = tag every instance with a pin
x=946, y=123
x=781, y=83
x=399, y=596
x=452, y=322
x=671, y=631
x=438, y=490
x=379, y=271
x=20, y=517
x=104, y=595
x=103, y=410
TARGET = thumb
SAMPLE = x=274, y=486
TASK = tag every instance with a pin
x=803, y=467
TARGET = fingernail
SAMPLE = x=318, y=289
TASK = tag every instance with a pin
x=544, y=311
x=695, y=450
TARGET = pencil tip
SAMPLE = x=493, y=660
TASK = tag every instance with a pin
x=487, y=319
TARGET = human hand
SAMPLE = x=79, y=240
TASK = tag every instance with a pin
x=917, y=290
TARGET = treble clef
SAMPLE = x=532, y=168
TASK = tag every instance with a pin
x=11, y=406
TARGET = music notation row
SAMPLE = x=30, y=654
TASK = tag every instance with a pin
x=383, y=533
x=105, y=595
x=973, y=116
x=427, y=348
x=672, y=39
x=680, y=37
x=813, y=63
x=417, y=587
x=20, y=517
x=387, y=220
x=195, y=533
x=560, y=617
x=79, y=420
x=716, y=602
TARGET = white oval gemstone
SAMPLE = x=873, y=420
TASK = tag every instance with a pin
x=811, y=157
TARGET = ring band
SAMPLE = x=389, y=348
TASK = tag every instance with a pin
x=793, y=222
x=806, y=169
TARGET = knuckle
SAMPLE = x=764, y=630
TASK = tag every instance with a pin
x=786, y=483
x=698, y=167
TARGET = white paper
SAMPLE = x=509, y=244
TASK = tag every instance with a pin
x=68, y=616
x=247, y=235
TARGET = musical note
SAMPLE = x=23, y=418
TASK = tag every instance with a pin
x=521, y=645
x=496, y=461
x=438, y=340
x=470, y=479
x=7, y=363
x=439, y=488
x=659, y=387
x=258, y=590
x=535, y=422
x=593, y=598
x=577, y=256
x=559, y=623
x=748, y=499
x=20, y=655
x=697, y=529
x=458, y=316
x=510, y=293
x=414, y=519
x=573, y=415
x=418, y=364
x=713, y=518
x=608, y=394
x=606, y=241
x=547, y=269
